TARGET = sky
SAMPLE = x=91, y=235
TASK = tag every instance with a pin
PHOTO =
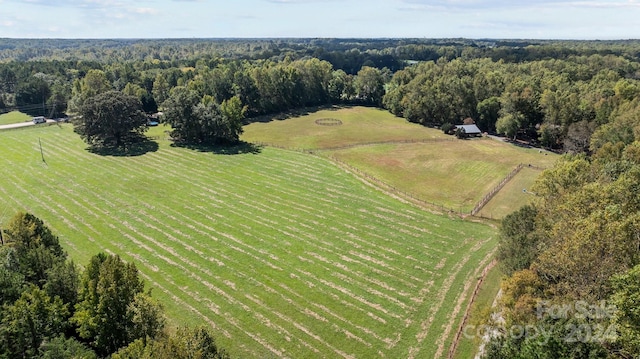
x=504, y=19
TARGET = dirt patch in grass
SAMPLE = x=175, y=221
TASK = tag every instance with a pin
x=328, y=122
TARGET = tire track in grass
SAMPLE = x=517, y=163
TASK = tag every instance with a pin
x=301, y=327
x=184, y=304
x=351, y=295
x=323, y=308
x=63, y=218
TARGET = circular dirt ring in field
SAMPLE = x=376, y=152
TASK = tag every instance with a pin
x=328, y=122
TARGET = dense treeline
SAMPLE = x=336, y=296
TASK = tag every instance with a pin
x=263, y=86
x=178, y=51
x=573, y=257
x=50, y=308
x=556, y=102
x=551, y=92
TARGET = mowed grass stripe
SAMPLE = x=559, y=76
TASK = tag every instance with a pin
x=126, y=235
x=167, y=211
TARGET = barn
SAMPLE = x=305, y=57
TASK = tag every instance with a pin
x=470, y=130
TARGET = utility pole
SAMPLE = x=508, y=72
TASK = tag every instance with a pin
x=41, y=152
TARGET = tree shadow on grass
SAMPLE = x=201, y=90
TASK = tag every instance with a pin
x=230, y=149
x=137, y=148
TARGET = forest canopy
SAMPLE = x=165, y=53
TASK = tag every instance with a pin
x=552, y=93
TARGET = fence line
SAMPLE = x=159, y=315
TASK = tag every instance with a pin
x=495, y=190
x=344, y=147
x=478, y=207
x=456, y=340
x=391, y=188
x=390, y=142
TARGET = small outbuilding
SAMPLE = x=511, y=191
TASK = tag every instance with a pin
x=470, y=130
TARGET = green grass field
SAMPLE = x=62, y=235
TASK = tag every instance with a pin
x=511, y=196
x=283, y=253
x=455, y=174
x=13, y=117
x=359, y=125
x=442, y=170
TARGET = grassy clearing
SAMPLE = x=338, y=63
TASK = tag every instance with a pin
x=282, y=253
x=13, y=117
x=359, y=125
x=511, y=196
x=448, y=172
x=455, y=174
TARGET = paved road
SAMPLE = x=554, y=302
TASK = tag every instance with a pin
x=21, y=124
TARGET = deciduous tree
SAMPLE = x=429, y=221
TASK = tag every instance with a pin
x=110, y=302
x=111, y=119
x=518, y=242
x=203, y=121
x=186, y=343
x=369, y=86
x=37, y=248
x=29, y=321
x=160, y=89
x=93, y=83
x=626, y=298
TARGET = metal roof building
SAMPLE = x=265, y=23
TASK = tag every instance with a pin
x=470, y=130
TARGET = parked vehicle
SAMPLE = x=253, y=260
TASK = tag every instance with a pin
x=39, y=119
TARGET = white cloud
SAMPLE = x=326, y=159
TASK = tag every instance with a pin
x=299, y=1
x=84, y=4
x=145, y=11
x=506, y=4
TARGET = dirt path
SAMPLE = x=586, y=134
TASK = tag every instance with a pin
x=21, y=124
x=454, y=344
